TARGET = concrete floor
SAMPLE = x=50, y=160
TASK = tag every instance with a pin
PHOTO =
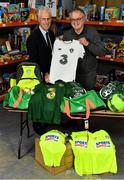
x=27, y=168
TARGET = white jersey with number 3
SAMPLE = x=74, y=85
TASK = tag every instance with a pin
x=64, y=60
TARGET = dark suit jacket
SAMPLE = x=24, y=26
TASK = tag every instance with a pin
x=38, y=50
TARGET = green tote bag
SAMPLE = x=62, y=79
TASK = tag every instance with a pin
x=83, y=103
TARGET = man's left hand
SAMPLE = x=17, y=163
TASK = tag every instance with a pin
x=84, y=41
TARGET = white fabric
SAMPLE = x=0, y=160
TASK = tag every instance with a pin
x=64, y=60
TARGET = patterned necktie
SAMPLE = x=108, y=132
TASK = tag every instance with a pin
x=48, y=41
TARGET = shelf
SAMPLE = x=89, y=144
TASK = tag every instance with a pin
x=58, y=20
x=106, y=23
x=96, y=23
x=25, y=58
x=120, y=60
x=16, y=24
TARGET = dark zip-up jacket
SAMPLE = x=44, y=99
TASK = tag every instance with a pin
x=95, y=48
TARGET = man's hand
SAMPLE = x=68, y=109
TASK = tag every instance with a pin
x=46, y=78
x=84, y=41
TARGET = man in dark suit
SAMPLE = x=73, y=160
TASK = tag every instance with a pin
x=39, y=46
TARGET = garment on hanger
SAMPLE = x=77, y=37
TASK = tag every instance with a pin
x=64, y=60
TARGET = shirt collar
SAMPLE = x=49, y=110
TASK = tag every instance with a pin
x=78, y=35
x=42, y=31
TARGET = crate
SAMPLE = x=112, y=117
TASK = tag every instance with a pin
x=66, y=162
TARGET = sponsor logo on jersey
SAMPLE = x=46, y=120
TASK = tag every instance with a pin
x=80, y=108
x=52, y=137
x=80, y=143
x=28, y=71
x=51, y=94
x=104, y=144
x=64, y=59
x=71, y=50
x=61, y=85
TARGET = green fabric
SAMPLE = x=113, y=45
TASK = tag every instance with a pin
x=116, y=102
x=78, y=104
x=12, y=96
x=94, y=153
x=52, y=147
x=77, y=89
x=44, y=105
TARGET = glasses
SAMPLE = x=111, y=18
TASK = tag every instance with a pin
x=78, y=20
x=45, y=19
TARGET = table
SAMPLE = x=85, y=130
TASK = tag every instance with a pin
x=99, y=113
x=24, y=122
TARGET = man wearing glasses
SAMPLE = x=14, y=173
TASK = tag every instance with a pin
x=40, y=42
x=89, y=38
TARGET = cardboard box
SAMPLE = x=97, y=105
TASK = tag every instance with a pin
x=66, y=162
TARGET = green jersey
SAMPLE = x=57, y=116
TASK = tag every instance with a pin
x=44, y=105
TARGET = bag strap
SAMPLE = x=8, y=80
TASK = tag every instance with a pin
x=88, y=103
x=18, y=99
x=67, y=111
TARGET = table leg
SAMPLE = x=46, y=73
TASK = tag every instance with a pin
x=28, y=130
x=23, y=123
x=20, y=137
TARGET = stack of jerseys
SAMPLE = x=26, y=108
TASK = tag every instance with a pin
x=94, y=152
x=52, y=147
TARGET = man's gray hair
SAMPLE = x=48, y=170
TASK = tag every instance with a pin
x=77, y=10
x=42, y=9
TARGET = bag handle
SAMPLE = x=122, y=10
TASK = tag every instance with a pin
x=18, y=99
x=67, y=111
x=88, y=103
